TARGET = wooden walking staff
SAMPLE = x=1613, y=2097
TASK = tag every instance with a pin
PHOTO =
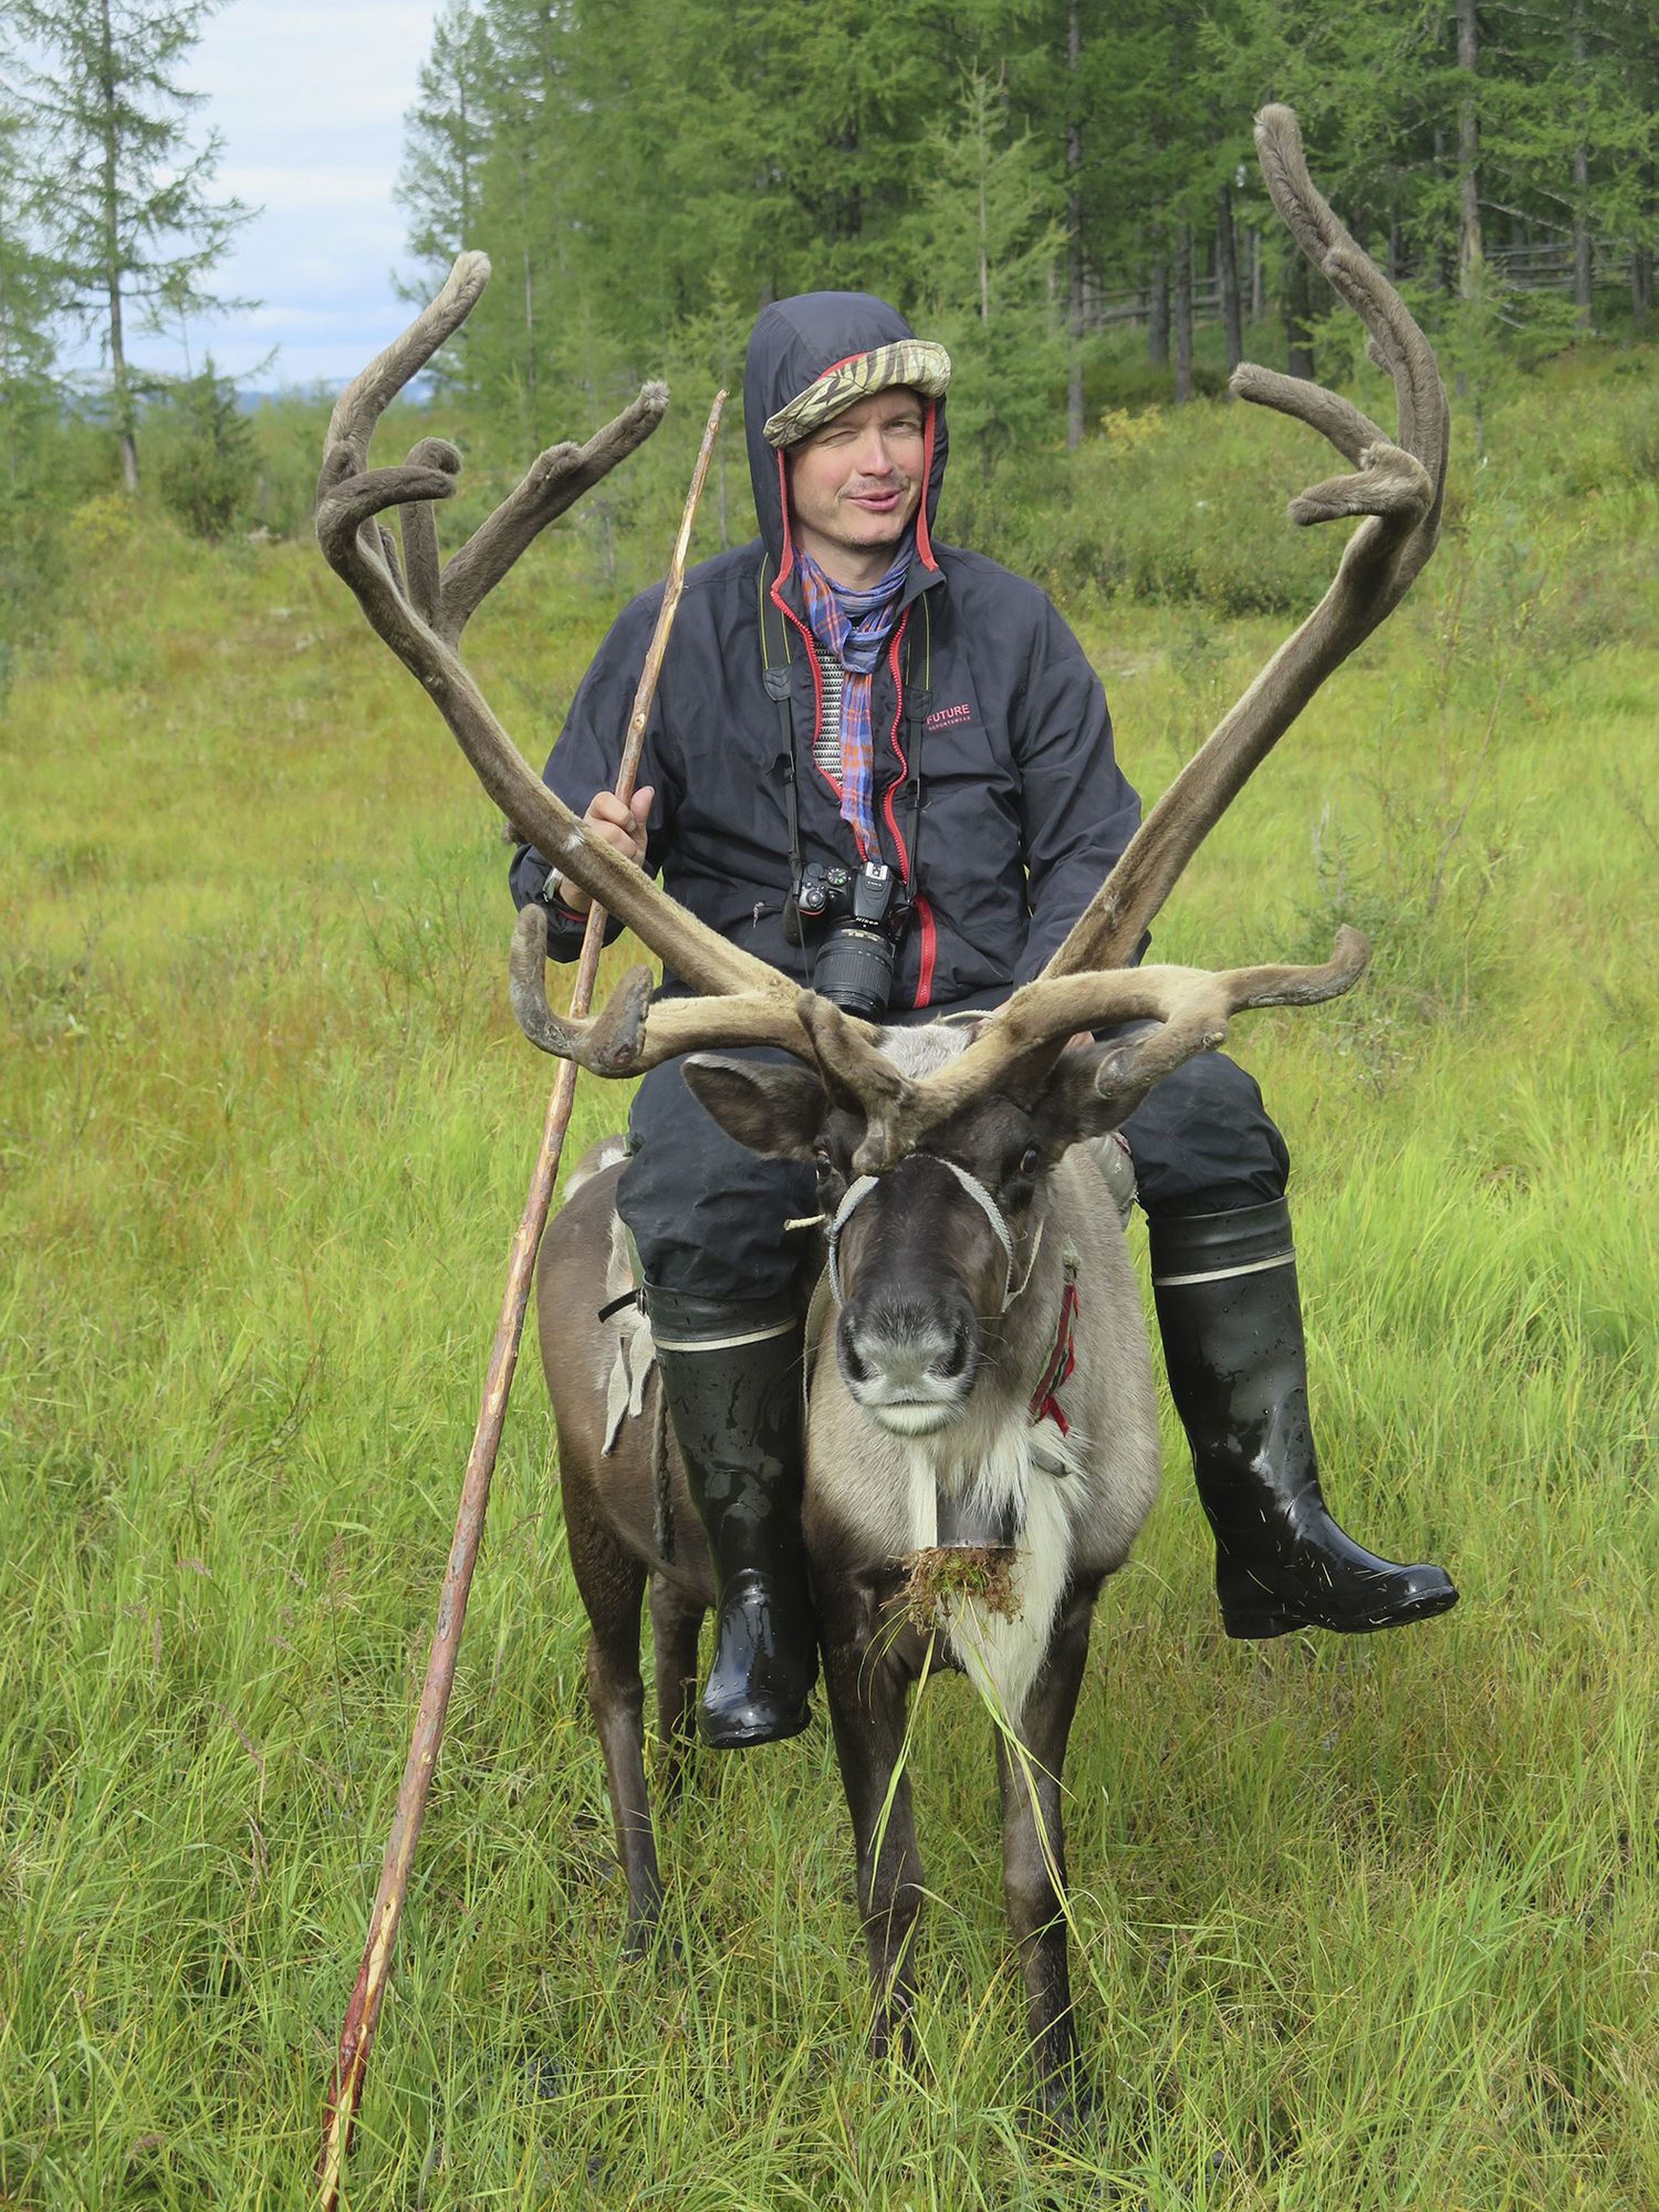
x=358, y=2031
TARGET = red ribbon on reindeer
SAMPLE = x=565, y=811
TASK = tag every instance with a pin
x=1062, y=1360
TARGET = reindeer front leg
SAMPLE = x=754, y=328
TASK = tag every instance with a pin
x=1034, y=1861
x=867, y=1695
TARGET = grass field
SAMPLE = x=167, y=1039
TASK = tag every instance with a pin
x=1364, y=1924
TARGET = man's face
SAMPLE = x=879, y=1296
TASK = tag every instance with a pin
x=855, y=486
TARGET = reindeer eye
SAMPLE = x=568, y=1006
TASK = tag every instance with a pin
x=1030, y=1160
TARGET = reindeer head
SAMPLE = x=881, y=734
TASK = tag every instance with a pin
x=990, y=1112
x=934, y=1153
x=926, y=1258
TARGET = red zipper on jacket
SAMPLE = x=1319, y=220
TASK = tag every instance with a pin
x=929, y=942
x=899, y=846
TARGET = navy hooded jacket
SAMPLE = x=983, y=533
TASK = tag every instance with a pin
x=1022, y=808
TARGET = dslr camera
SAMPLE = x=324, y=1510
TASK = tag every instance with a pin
x=855, y=911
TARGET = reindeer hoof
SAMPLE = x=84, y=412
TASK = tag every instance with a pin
x=647, y=1942
x=893, y=2040
x=1070, y=2105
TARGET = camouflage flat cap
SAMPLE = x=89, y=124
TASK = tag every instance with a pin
x=917, y=363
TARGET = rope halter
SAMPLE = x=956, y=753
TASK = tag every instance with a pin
x=857, y=1192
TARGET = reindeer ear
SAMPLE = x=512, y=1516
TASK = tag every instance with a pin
x=775, y=1109
x=1089, y=1093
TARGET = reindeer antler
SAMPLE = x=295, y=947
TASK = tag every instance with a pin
x=630, y=1035
x=1395, y=486
x=1399, y=487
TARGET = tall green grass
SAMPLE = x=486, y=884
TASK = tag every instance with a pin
x=1365, y=1924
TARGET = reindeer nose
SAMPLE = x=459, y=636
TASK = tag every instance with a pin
x=901, y=1343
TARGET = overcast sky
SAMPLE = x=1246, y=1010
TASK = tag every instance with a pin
x=309, y=96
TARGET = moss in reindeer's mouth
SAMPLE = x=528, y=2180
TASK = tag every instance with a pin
x=944, y=1574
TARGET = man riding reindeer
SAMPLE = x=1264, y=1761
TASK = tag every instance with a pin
x=885, y=766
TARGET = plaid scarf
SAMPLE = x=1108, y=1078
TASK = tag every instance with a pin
x=854, y=626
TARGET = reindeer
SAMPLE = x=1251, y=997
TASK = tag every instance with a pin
x=965, y=1230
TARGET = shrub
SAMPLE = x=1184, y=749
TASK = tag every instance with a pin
x=1168, y=506
x=207, y=462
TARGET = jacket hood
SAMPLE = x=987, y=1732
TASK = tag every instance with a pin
x=795, y=342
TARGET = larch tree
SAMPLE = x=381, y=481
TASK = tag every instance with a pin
x=29, y=303
x=28, y=398
x=120, y=195
x=987, y=241
x=447, y=138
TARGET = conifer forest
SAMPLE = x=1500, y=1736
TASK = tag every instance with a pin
x=1023, y=179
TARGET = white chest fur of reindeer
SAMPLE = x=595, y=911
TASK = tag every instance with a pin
x=1076, y=1499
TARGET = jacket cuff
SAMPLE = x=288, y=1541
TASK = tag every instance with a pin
x=562, y=916
x=565, y=927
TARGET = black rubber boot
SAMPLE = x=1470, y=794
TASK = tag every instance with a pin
x=1231, y=1322
x=731, y=1373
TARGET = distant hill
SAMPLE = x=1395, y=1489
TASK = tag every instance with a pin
x=420, y=393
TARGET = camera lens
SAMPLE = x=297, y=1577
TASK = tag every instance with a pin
x=856, y=970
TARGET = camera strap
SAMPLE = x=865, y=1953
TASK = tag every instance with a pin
x=916, y=698
x=776, y=660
